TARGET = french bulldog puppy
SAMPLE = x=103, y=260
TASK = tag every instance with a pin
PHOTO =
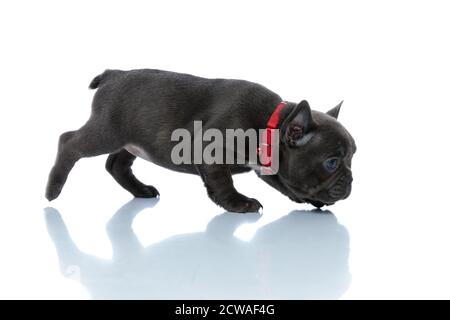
x=134, y=113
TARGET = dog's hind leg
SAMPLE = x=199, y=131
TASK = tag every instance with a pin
x=90, y=140
x=119, y=166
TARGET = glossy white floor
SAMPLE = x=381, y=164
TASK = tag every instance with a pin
x=390, y=239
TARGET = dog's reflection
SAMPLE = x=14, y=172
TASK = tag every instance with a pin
x=299, y=256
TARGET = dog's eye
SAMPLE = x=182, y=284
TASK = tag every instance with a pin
x=331, y=164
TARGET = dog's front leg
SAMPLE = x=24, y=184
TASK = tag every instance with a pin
x=219, y=184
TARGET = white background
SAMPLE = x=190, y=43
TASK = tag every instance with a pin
x=389, y=61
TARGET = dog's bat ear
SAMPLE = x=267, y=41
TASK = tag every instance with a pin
x=297, y=124
x=335, y=111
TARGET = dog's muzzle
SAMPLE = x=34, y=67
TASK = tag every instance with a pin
x=342, y=188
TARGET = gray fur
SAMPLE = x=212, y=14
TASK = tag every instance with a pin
x=140, y=109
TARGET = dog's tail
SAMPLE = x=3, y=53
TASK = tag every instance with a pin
x=98, y=80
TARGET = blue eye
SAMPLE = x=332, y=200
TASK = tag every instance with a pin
x=331, y=164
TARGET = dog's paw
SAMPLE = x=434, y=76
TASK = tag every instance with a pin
x=240, y=203
x=146, y=192
x=53, y=190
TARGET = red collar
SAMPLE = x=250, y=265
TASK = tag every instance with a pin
x=265, y=147
x=272, y=123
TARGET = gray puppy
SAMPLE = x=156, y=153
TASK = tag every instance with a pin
x=135, y=112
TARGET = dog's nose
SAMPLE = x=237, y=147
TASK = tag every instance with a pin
x=348, y=178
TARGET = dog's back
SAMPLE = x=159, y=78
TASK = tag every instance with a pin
x=175, y=99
